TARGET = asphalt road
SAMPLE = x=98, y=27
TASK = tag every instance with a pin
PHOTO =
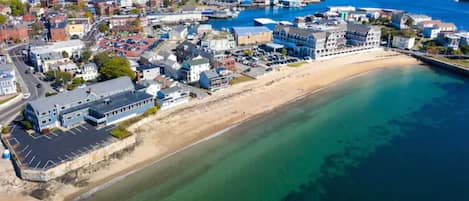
x=28, y=84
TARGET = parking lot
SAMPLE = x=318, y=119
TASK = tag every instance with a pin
x=43, y=151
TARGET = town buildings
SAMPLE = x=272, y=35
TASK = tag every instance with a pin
x=174, y=18
x=453, y=40
x=77, y=27
x=215, y=79
x=88, y=72
x=148, y=72
x=399, y=19
x=252, y=35
x=218, y=41
x=7, y=79
x=100, y=104
x=328, y=40
x=191, y=69
x=403, y=42
x=52, y=52
x=171, y=97
x=14, y=33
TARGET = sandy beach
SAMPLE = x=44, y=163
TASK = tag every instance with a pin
x=171, y=130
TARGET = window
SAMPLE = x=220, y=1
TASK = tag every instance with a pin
x=78, y=114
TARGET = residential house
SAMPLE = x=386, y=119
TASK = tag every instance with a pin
x=47, y=61
x=171, y=97
x=178, y=33
x=399, y=19
x=191, y=69
x=148, y=72
x=403, y=42
x=449, y=40
x=57, y=32
x=204, y=28
x=171, y=67
x=218, y=41
x=252, y=35
x=100, y=104
x=215, y=79
x=187, y=50
x=227, y=63
x=7, y=79
x=88, y=72
x=68, y=67
x=151, y=87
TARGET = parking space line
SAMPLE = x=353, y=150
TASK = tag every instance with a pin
x=68, y=156
x=28, y=154
x=14, y=138
x=84, y=127
x=74, y=153
x=24, y=149
x=47, y=137
x=54, y=134
x=32, y=159
x=58, y=157
x=37, y=165
x=73, y=133
x=77, y=129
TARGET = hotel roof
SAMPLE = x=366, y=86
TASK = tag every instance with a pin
x=246, y=31
x=119, y=100
x=98, y=90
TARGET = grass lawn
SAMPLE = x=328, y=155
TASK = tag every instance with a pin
x=240, y=79
x=7, y=98
x=297, y=64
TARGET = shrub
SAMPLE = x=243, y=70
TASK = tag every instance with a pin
x=150, y=111
x=119, y=132
x=27, y=125
x=5, y=130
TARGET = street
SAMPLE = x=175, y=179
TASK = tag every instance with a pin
x=28, y=84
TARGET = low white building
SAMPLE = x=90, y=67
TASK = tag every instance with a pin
x=171, y=67
x=151, y=87
x=403, y=42
x=191, y=69
x=148, y=72
x=88, y=72
x=72, y=47
x=218, y=41
x=171, y=97
x=178, y=33
x=175, y=17
x=7, y=79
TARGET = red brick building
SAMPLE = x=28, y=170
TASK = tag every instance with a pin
x=14, y=33
x=28, y=17
x=57, y=32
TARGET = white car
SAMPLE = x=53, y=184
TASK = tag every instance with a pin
x=26, y=96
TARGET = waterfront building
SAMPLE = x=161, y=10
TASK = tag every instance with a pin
x=178, y=33
x=444, y=27
x=187, y=50
x=215, y=79
x=449, y=40
x=7, y=79
x=403, y=42
x=338, y=9
x=431, y=32
x=400, y=18
x=191, y=69
x=218, y=41
x=171, y=67
x=171, y=97
x=329, y=40
x=173, y=18
x=254, y=35
x=100, y=104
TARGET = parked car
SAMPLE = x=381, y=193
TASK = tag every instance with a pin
x=26, y=96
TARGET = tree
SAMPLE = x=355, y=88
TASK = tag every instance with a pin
x=248, y=52
x=3, y=19
x=136, y=23
x=65, y=54
x=78, y=81
x=26, y=125
x=464, y=49
x=103, y=27
x=37, y=28
x=167, y=3
x=102, y=58
x=85, y=55
x=135, y=11
x=284, y=52
x=5, y=129
x=88, y=14
x=409, y=22
x=17, y=7
x=116, y=67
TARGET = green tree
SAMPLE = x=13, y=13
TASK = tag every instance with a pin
x=3, y=19
x=37, y=28
x=116, y=67
x=248, y=52
x=65, y=54
x=464, y=49
x=86, y=55
x=88, y=14
x=26, y=125
x=409, y=22
x=102, y=58
x=78, y=81
x=5, y=129
x=167, y=3
x=135, y=11
x=136, y=23
x=284, y=52
x=103, y=27
x=17, y=7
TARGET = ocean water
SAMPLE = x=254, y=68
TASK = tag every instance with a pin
x=388, y=135
x=446, y=10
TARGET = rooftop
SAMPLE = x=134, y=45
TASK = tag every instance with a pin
x=119, y=100
x=245, y=31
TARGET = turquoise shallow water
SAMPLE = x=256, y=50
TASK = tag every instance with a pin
x=393, y=134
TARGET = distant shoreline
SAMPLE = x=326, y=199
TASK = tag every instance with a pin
x=355, y=66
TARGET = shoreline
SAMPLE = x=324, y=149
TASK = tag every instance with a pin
x=110, y=179
x=158, y=160
x=171, y=131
